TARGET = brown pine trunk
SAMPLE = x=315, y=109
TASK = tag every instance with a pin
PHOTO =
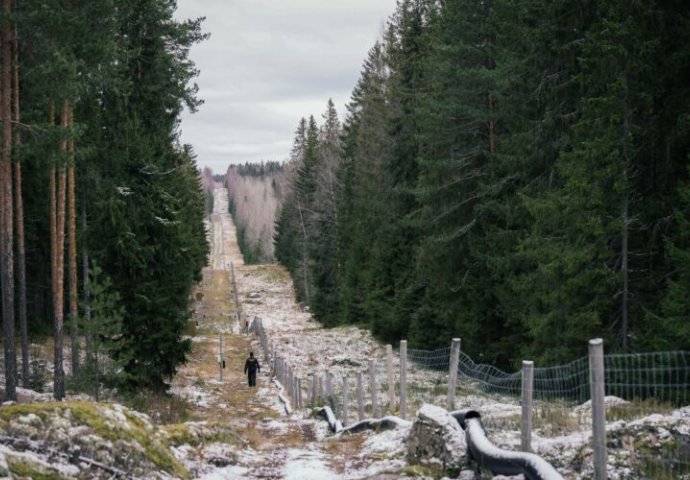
x=19, y=218
x=6, y=245
x=59, y=266
x=72, y=259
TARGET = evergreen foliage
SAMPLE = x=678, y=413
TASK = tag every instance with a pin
x=512, y=173
x=125, y=67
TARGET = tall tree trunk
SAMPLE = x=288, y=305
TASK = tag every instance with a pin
x=6, y=245
x=625, y=220
x=19, y=218
x=624, y=271
x=72, y=259
x=305, y=255
x=87, y=291
x=58, y=265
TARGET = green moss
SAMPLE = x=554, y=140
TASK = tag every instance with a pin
x=22, y=468
x=420, y=471
x=186, y=434
x=92, y=415
x=12, y=411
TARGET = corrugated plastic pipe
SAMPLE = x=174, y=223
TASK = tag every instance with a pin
x=496, y=460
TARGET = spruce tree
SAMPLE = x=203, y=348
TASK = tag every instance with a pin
x=365, y=185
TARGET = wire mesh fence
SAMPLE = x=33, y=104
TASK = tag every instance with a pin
x=636, y=386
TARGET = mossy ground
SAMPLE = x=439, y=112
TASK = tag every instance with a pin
x=110, y=422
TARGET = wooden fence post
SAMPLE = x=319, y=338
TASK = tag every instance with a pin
x=220, y=355
x=290, y=385
x=374, y=390
x=597, y=388
x=314, y=393
x=453, y=378
x=527, y=405
x=391, y=383
x=295, y=391
x=403, y=378
x=345, y=400
x=360, y=397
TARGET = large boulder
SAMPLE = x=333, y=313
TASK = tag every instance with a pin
x=436, y=441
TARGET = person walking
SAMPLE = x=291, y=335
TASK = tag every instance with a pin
x=251, y=366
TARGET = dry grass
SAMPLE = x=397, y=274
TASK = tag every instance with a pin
x=344, y=449
x=231, y=401
x=270, y=272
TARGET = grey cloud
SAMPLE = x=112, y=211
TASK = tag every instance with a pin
x=268, y=63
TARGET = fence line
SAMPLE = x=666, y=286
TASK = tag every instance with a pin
x=661, y=379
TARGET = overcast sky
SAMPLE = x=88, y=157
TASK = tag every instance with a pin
x=267, y=64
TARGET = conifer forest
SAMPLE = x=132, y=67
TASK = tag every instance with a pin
x=102, y=209
x=514, y=173
x=511, y=173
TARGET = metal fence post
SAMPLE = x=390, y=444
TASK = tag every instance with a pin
x=453, y=379
x=527, y=405
x=597, y=388
x=403, y=378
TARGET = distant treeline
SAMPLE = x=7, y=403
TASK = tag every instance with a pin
x=255, y=191
x=258, y=169
x=512, y=173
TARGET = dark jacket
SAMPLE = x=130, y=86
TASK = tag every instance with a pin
x=252, y=365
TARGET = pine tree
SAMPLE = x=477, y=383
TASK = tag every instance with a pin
x=7, y=213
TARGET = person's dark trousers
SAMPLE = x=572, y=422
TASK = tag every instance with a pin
x=252, y=379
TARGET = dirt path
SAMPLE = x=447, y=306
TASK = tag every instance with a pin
x=276, y=443
x=214, y=392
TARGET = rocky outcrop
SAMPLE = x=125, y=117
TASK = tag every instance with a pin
x=436, y=441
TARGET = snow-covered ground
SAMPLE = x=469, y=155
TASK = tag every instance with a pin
x=259, y=440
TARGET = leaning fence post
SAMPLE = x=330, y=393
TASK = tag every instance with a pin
x=345, y=400
x=527, y=404
x=403, y=378
x=453, y=380
x=597, y=388
x=374, y=390
x=360, y=397
x=391, y=384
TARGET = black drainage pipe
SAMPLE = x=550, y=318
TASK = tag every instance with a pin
x=496, y=460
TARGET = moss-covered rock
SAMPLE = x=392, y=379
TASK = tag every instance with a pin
x=109, y=435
